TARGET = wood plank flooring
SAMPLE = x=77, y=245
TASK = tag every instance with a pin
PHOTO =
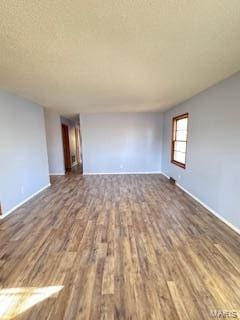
x=116, y=247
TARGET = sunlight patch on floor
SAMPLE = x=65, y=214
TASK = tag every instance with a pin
x=14, y=301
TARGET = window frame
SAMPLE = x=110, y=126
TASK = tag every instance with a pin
x=174, y=122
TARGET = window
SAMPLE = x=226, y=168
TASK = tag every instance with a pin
x=179, y=140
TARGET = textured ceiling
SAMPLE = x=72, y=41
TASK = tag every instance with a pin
x=116, y=55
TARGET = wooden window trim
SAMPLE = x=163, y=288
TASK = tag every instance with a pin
x=174, y=120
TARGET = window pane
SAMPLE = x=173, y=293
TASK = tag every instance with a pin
x=180, y=146
x=181, y=135
x=179, y=156
x=182, y=124
x=179, y=139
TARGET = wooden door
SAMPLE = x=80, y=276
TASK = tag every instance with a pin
x=66, y=147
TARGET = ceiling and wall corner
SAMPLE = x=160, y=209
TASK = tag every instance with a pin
x=96, y=56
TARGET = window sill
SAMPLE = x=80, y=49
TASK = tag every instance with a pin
x=179, y=164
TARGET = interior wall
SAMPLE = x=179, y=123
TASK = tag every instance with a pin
x=212, y=171
x=54, y=142
x=23, y=150
x=121, y=142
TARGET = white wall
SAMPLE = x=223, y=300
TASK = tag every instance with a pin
x=213, y=154
x=23, y=150
x=54, y=142
x=121, y=142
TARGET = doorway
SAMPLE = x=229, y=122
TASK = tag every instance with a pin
x=66, y=148
x=78, y=145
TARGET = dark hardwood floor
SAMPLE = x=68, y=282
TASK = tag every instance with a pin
x=116, y=247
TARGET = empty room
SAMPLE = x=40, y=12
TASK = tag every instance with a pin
x=119, y=159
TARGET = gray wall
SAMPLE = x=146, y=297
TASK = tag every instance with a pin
x=213, y=153
x=23, y=150
x=121, y=142
x=54, y=142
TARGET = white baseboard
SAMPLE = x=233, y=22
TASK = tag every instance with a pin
x=164, y=174
x=119, y=173
x=24, y=201
x=229, y=224
x=57, y=174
